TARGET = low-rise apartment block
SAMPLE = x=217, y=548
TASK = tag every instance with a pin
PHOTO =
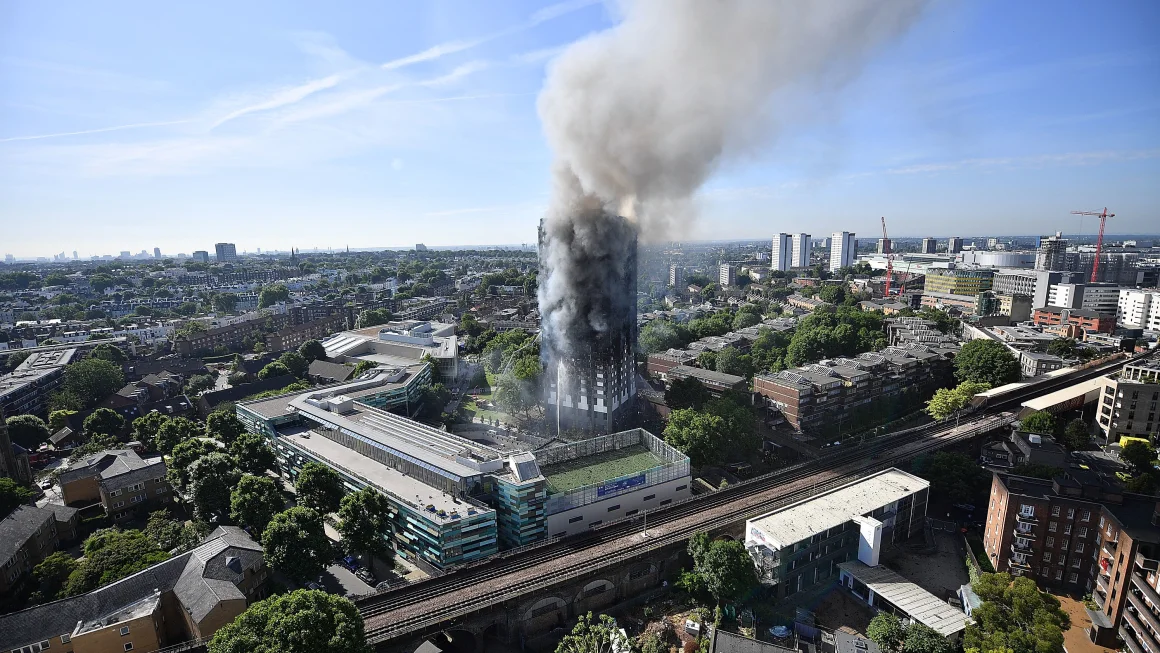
x=27, y=536
x=121, y=480
x=830, y=390
x=28, y=387
x=292, y=337
x=717, y=383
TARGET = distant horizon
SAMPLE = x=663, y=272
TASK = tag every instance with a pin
x=530, y=247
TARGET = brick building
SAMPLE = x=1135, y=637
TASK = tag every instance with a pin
x=292, y=337
x=1084, y=318
x=825, y=392
x=122, y=481
x=27, y=536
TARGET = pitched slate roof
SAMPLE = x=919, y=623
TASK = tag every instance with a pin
x=18, y=527
x=200, y=579
x=120, y=464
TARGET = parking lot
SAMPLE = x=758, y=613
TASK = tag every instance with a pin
x=340, y=580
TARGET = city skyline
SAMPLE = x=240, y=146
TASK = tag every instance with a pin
x=418, y=124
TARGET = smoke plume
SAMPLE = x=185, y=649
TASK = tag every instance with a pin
x=640, y=115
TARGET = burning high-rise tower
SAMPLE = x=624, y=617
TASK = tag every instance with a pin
x=638, y=117
x=588, y=341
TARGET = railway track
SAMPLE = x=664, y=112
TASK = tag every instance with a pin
x=414, y=607
x=800, y=484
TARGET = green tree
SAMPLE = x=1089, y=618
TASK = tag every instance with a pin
x=363, y=520
x=1040, y=421
x=255, y=501
x=987, y=361
x=170, y=534
x=1140, y=455
x=145, y=427
x=96, y=443
x=1062, y=347
x=92, y=379
x=1046, y=472
x=887, y=631
x=319, y=488
x=296, y=543
x=363, y=366
x=1076, y=436
x=698, y=435
x=745, y=319
x=661, y=335
x=52, y=573
x=592, y=635
x=274, y=369
x=225, y=302
x=946, y=401
x=199, y=383
x=1014, y=616
x=833, y=294
x=373, y=317
x=224, y=426
x=111, y=555
x=921, y=638
x=58, y=419
x=28, y=431
x=728, y=571
x=104, y=420
x=295, y=362
x=182, y=457
x=730, y=360
x=303, y=621
x=253, y=454
x=738, y=421
x=109, y=352
x=955, y=477
x=12, y=494
x=686, y=393
x=270, y=295
x=312, y=350
x=211, y=478
x=173, y=432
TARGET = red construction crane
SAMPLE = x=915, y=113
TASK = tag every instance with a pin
x=889, y=258
x=1103, y=216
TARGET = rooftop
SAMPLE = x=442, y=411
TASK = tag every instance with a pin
x=406, y=489
x=809, y=517
x=908, y=597
x=708, y=375
x=136, y=610
x=18, y=527
x=22, y=377
x=579, y=472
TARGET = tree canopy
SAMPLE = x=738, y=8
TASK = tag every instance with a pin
x=104, y=420
x=722, y=568
x=955, y=476
x=91, y=380
x=52, y=573
x=173, y=432
x=1041, y=422
x=312, y=350
x=224, y=426
x=698, y=435
x=686, y=393
x=109, y=352
x=28, y=431
x=296, y=544
x=303, y=621
x=363, y=519
x=211, y=479
x=254, y=502
x=591, y=635
x=319, y=488
x=274, y=369
x=1076, y=436
x=987, y=361
x=253, y=454
x=1014, y=616
x=110, y=555
x=12, y=494
x=295, y=362
x=946, y=401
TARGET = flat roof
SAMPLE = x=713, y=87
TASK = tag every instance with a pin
x=809, y=517
x=1067, y=394
x=406, y=489
x=587, y=470
x=908, y=597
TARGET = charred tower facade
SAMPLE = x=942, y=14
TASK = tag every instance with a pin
x=589, y=333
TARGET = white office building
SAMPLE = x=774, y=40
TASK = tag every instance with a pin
x=781, y=258
x=1103, y=298
x=727, y=275
x=843, y=249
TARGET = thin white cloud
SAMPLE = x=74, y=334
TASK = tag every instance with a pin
x=435, y=52
x=282, y=98
x=457, y=74
x=94, y=131
x=443, y=49
x=1035, y=161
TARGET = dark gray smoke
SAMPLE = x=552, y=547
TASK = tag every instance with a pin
x=640, y=115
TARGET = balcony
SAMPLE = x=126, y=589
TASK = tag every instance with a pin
x=1021, y=549
x=1148, y=564
x=1029, y=534
x=1144, y=613
x=1111, y=545
x=1026, y=519
x=1142, y=635
x=1019, y=564
x=1102, y=582
x=1130, y=640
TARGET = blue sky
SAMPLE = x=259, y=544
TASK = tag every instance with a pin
x=131, y=125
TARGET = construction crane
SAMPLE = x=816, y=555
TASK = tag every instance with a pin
x=889, y=258
x=1103, y=216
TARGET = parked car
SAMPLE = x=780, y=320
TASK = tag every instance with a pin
x=315, y=585
x=365, y=576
